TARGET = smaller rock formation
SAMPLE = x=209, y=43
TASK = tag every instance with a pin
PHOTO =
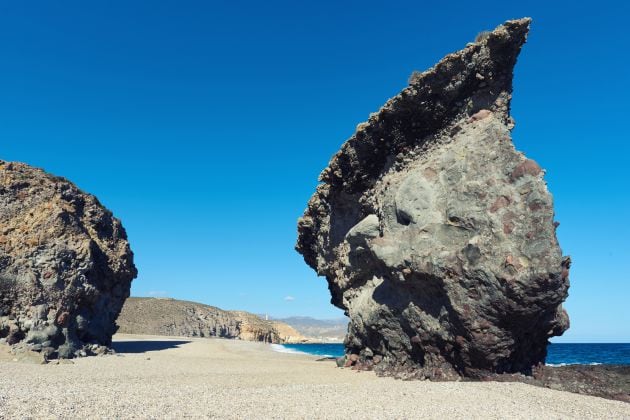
x=156, y=316
x=65, y=265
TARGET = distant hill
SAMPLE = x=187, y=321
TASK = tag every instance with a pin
x=160, y=316
x=327, y=330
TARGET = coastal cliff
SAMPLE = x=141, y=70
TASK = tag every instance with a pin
x=319, y=330
x=160, y=316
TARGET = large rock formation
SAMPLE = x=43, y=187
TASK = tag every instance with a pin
x=180, y=318
x=65, y=265
x=435, y=235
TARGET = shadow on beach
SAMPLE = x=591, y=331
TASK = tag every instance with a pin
x=145, y=346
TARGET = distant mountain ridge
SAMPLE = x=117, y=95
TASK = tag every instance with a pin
x=171, y=317
x=325, y=330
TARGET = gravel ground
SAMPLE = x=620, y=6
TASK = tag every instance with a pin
x=159, y=377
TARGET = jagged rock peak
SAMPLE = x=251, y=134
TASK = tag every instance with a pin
x=65, y=265
x=479, y=77
x=435, y=235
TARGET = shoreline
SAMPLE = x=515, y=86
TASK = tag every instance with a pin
x=175, y=377
x=606, y=380
x=616, y=359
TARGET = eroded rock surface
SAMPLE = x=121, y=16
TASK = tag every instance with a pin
x=65, y=265
x=435, y=235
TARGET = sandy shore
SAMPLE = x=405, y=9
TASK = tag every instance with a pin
x=163, y=377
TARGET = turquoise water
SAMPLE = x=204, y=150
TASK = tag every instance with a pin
x=558, y=353
x=324, y=350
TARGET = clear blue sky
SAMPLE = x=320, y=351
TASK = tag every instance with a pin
x=203, y=125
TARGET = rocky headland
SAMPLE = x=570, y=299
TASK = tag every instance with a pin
x=322, y=330
x=171, y=317
x=65, y=266
x=437, y=238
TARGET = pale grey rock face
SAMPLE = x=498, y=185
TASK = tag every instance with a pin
x=435, y=235
x=65, y=265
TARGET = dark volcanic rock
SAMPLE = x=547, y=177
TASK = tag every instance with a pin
x=435, y=235
x=606, y=381
x=65, y=265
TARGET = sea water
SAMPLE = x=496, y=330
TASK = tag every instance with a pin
x=558, y=354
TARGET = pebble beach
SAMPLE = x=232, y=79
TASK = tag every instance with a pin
x=166, y=377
